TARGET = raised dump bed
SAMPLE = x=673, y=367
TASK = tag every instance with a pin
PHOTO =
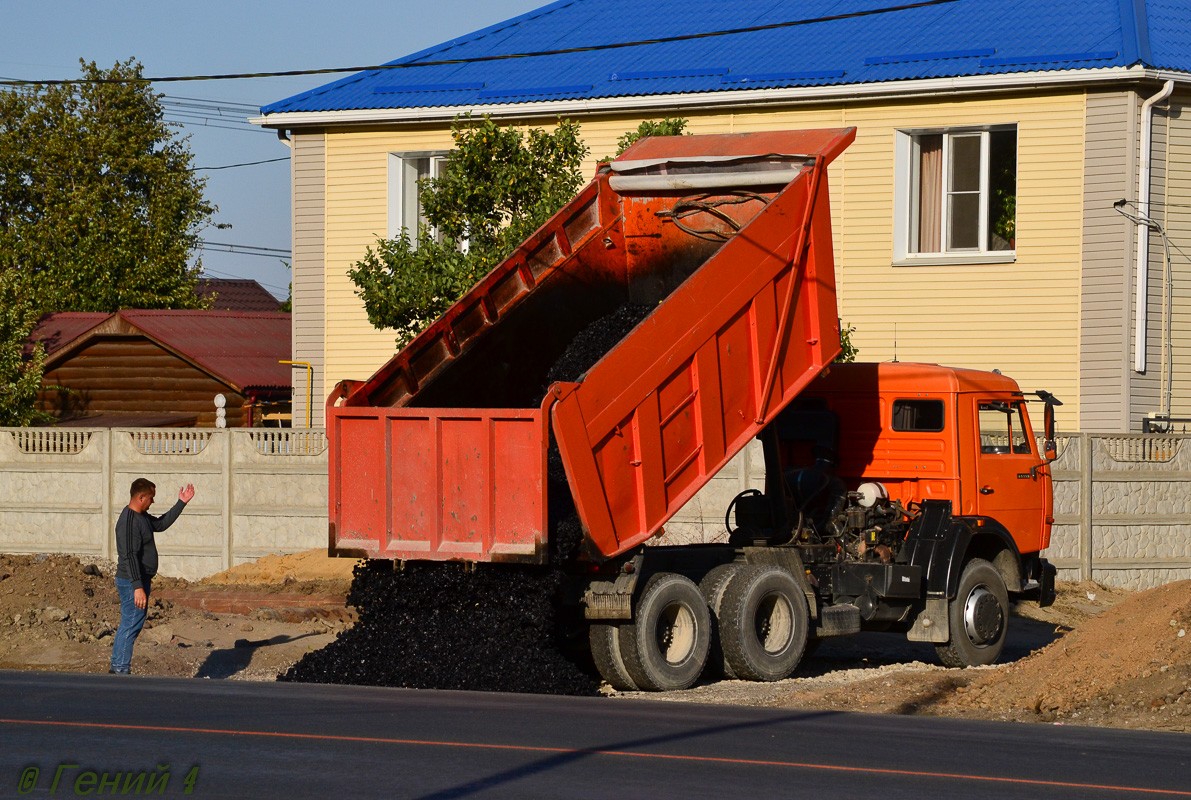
x=722, y=244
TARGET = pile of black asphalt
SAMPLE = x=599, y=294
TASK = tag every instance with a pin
x=488, y=627
x=594, y=342
x=433, y=625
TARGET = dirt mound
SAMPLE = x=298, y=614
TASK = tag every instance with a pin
x=309, y=565
x=59, y=598
x=1136, y=654
x=430, y=625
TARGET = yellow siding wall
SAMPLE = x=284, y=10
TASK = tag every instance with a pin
x=1021, y=318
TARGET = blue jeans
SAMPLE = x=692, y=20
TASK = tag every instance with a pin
x=132, y=619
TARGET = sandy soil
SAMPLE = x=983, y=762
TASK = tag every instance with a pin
x=59, y=613
x=1099, y=656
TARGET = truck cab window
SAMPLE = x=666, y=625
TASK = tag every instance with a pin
x=1003, y=429
x=925, y=416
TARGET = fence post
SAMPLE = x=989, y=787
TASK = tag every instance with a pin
x=105, y=485
x=1086, y=507
x=227, y=498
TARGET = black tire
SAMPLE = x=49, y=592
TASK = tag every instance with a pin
x=978, y=617
x=605, y=651
x=712, y=588
x=665, y=646
x=763, y=623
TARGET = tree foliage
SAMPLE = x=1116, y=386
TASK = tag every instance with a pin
x=498, y=186
x=100, y=210
x=651, y=127
x=20, y=376
x=99, y=206
x=848, y=349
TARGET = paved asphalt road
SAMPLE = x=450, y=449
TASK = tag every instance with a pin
x=286, y=740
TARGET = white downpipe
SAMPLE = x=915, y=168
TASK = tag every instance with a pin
x=1143, y=229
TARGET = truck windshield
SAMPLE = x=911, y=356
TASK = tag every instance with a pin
x=1003, y=429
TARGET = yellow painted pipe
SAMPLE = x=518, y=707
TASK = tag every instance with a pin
x=309, y=386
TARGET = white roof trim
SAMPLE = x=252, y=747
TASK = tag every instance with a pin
x=737, y=97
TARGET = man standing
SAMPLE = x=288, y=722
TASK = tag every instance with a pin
x=137, y=554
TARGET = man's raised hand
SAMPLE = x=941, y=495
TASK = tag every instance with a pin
x=186, y=493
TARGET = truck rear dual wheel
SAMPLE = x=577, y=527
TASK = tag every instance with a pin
x=712, y=587
x=763, y=623
x=978, y=617
x=665, y=646
x=605, y=651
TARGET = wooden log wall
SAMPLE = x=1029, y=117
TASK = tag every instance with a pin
x=131, y=374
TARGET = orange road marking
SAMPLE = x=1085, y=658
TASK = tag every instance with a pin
x=629, y=753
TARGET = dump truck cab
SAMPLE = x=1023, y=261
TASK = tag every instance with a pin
x=928, y=432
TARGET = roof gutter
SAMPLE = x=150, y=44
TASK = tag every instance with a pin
x=1143, y=225
x=929, y=87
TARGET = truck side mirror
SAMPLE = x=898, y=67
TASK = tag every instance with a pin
x=1049, y=449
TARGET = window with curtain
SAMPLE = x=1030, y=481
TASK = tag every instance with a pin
x=963, y=191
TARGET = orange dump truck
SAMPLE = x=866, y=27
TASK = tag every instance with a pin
x=897, y=496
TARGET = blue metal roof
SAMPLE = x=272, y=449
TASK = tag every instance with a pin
x=951, y=39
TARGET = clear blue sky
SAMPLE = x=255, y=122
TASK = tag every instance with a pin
x=46, y=40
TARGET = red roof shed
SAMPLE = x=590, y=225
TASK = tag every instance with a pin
x=163, y=368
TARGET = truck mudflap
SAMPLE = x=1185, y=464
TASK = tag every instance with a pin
x=939, y=543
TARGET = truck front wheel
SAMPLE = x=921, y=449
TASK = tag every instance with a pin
x=978, y=617
x=763, y=622
x=665, y=646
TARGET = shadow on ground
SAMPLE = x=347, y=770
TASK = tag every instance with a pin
x=870, y=649
x=228, y=661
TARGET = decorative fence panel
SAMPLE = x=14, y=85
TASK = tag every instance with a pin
x=256, y=492
x=1123, y=509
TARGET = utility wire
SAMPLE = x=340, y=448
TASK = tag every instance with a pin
x=244, y=164
x=208, y=272
x=505, y=57
x=244, y=249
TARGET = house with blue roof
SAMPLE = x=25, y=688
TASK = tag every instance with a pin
x=1018, y=196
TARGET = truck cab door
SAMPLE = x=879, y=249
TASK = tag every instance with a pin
x=1010, y=475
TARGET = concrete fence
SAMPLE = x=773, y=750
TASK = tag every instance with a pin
x=1122, y=509
x=1122, y=503
x=257, y=492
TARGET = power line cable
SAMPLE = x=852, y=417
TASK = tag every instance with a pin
x=246, y=249
x=244, y=164
x=505, y=57
x=201, y=123
x=209, y=272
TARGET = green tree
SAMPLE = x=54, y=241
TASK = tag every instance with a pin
x=650, y=127
x=848, y=350
x=100, y=208
x=20, y=373
x=498, y=185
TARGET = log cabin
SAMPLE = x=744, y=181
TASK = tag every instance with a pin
x=156, y=368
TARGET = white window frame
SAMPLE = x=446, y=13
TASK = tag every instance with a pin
x=905, y=203
x=397, y=178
